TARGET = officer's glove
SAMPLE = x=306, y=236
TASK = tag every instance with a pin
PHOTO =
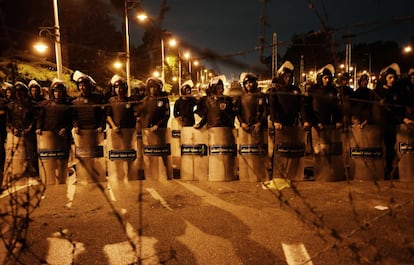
x=39, y=131
x=99, y=130
x=245, y=126
x=154, y=128
x=256, y=129
x=278, y=126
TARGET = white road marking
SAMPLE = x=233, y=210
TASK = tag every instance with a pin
x=158, y=197
x=296, y=254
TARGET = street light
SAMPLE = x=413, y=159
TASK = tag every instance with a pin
x=41, y=47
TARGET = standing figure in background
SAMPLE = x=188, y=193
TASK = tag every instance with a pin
x=409, y=95
x=185, y=106
x=388, y=112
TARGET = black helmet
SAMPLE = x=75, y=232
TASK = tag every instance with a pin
x=363, y=77
x=184, y=89
x=249, y=77
x=345, y=76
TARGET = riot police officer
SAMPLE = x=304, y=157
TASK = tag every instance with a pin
x=20, y=122
x=88, y=111
x=285, y=101
x=322, y=104
x=251, y=106
x=154, y=109
x=120, y=114
x=388, y=112
x=218, y=110
x=185, y=106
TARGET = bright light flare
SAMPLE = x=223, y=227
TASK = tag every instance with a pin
x=41, y=47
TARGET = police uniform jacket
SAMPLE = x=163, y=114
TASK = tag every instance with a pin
x=251, y=108
x=322, y=106
x=389, y=109
x=121, y=110
x=89, y=112
x=285, y=104
x=54, y=115
x=154, y=110
x=185, y=107
x=218, y=111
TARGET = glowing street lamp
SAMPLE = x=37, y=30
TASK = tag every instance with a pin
x=42, y=47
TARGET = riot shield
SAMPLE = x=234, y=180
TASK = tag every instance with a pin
x=89, y=156
x=405, y=152
x=366, y=150
x=53, y=152
x=328, y=154
x=222, y=154
x=157, y=154
x=194, y=154
x=289, y=152
x=251, y=157
x=122, y=155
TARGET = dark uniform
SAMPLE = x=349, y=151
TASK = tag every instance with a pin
x=388, y=112
x=185, y=107
x=121, y=110
x=21, y=122
x=362, y=100
x=345, y=94
x=251, y=106
x=322, y=103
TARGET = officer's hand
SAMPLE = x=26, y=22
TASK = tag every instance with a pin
x=15, y=131
x=362, y=124
x=39, y=131
x=76, y=129
x=278, y=126
x=62, y=132
x=196, y=126
x=116, y=129
x=154, y=128
x=408, y=121
x=338, y=125
x=320, y=126
x=99, y=130
x=256, y=129
x=245, y=126
x=306, y=125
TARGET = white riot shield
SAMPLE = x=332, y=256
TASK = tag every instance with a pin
x=366, y=150
x=251, y=157
x=289, y=152
x=175, y=141
x=15, y=163
x=157, y=154
x=405, y=152
x=89, y=156
x=194, y=154
x=222, y=154
x=122, y=155
x=328, y=154
x=53, y=157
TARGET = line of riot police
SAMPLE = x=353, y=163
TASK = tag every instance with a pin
x=273, y=126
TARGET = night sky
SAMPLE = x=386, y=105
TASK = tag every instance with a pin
x=230, y=26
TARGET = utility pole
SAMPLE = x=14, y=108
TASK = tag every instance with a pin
x=274, y=55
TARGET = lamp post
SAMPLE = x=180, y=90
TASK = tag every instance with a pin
x=56, y=35
x=127, y=53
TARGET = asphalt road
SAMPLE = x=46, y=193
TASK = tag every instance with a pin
x=183, y=222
